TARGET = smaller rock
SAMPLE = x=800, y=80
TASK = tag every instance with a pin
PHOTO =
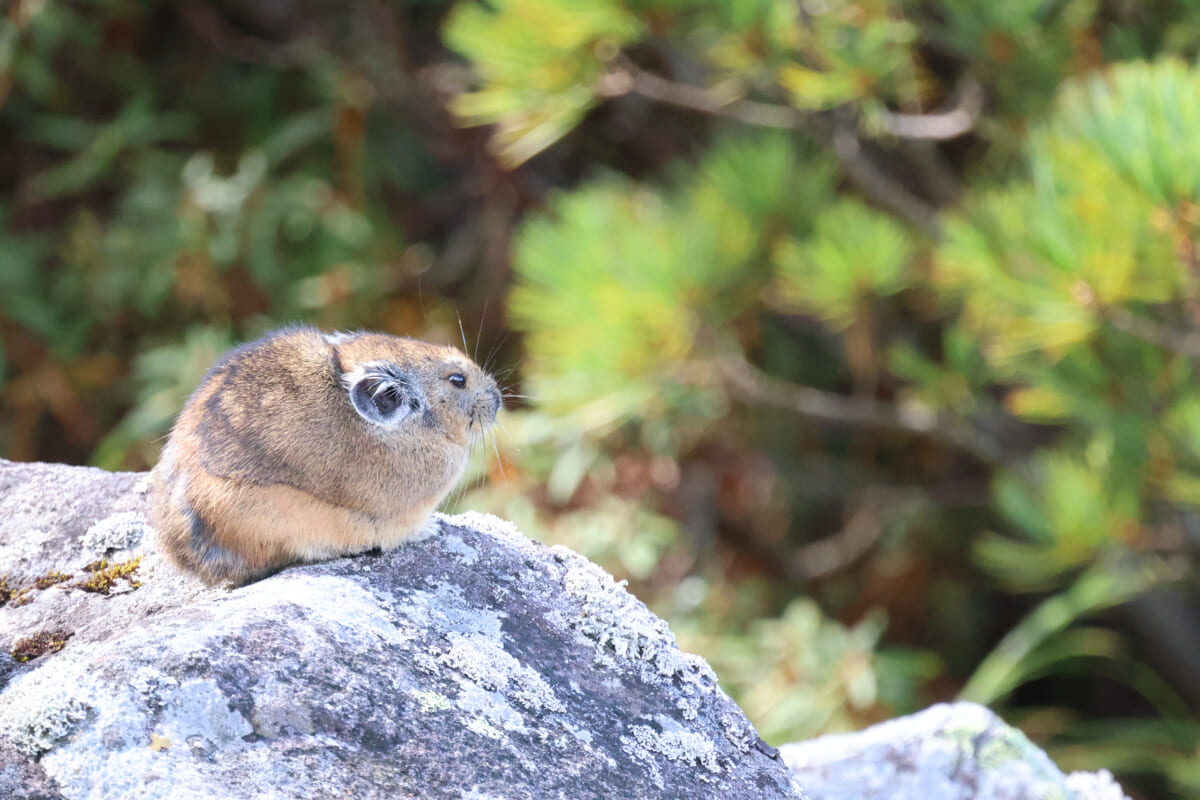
x=949, y=752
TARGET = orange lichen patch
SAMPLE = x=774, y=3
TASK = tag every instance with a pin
x=10, y=594
x=51, y=578
x=104, y=575
x=40, y=643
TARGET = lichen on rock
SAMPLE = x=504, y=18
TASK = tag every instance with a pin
x=121, y=531
x=622, y=626
x=45, y=707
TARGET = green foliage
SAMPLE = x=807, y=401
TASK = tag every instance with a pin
x=828, y=670
x=1030, y=648
x=1070, y=511
x=1160, y=28
x=1139, y=120
x=1023, y=48
x=853, y=254
x=1041, y=261
x=624, y=319
x=850, y=51
x=535, y=88
x=1046, y=270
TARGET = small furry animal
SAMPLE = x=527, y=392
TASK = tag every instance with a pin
x=302, y=446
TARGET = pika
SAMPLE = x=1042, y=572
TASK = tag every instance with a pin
x=302, y=446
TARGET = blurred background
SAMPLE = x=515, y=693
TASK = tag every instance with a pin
x=859, y=336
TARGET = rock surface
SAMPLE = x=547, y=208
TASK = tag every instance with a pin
x=948, y=752
x=475, y=664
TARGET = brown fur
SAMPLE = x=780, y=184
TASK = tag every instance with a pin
x=270, y=463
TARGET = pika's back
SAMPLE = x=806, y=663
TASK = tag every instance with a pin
x=349, y=439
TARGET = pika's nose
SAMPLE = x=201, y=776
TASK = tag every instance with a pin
x=497, y=402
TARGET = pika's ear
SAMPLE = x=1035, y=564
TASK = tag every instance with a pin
x=383, y=396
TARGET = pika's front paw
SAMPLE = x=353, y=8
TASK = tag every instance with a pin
x=431, y=528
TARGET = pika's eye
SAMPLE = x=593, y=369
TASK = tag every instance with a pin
x=458, y=380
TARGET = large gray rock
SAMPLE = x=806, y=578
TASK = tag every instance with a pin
x=475, y=664
x=948, y=752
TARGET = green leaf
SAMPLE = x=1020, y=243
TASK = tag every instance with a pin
x=1012, y=662
x=853, y=252
x=538, y=63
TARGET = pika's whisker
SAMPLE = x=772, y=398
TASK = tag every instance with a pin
x=499, y=460
x=479, y=333
x=495, y=349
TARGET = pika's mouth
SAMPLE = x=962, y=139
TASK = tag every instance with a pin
x=483, y=418
x=486, y=408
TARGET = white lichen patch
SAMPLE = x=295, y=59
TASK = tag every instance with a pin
x=490, y=706
x=346, y=608
x=473, y=662
x=583, y=736
x=123, y=531
x=689, y=707
x=497, y=528
x=483, y=662
x=454, y=544
x=446, y=610
x=1096, y=785
x=44, y=706
x=114, y=752
x=430, y=701
x=474, y=794
x=424, y=662
x=484, y=523
x=619, y=623
x=198, y=709
x=532, y=692
x=673, y=742
x=738, y=730
x=484, y=728
x=27, y=549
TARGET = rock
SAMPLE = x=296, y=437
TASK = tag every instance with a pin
x=948, y=752
x=474, y=664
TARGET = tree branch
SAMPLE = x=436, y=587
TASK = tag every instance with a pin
x=629, y=79
x=861, y=531
x=943, y=124
x=1185, y=343
x=754, y=386
x=880, y=186
x=841, y=138
x=940, y=125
